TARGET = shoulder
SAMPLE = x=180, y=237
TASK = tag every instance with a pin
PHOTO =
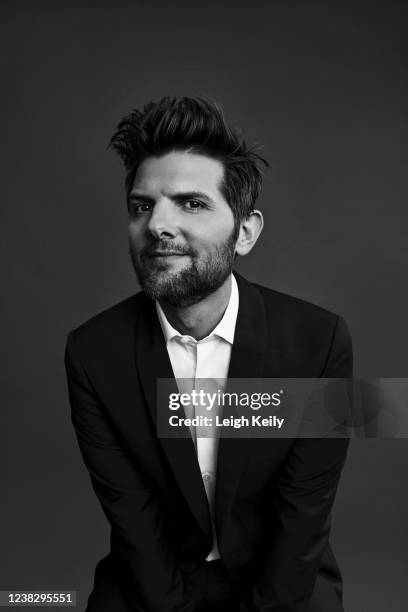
x=314, y=340
x=297, y=318
x=286, y=308
x=113, y=322
x=290, y=307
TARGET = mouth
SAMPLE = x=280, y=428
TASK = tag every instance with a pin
x=167, y=254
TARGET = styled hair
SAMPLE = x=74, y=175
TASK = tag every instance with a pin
x=194, y=125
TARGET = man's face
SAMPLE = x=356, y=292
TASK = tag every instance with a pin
x=181, y=230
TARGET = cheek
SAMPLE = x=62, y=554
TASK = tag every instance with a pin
x=215, y=231
x=135, y=241
x=135, y=232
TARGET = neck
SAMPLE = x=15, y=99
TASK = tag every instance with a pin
x=200, y=319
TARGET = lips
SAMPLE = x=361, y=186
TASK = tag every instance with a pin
x=166, y=254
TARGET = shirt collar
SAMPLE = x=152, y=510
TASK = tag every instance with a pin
x=225, y=328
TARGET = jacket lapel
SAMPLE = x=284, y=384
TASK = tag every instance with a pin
x=153, y=362
x=247, y=361
x=248, y=357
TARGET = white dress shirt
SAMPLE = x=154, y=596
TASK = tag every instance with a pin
x=206, y=358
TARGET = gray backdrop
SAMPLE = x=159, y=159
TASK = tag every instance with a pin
x=323, y=87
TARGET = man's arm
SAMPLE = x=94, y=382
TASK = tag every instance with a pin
x=305, y=492
x=150, y=570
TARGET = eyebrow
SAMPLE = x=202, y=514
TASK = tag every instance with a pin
x=181, y=195
x=141, y=198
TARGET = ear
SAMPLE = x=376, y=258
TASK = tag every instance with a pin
x=249, y=231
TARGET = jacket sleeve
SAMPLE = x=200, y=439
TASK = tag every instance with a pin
x=305, y=491
x=153, y=582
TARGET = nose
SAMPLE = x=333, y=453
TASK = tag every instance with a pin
x=162, y=220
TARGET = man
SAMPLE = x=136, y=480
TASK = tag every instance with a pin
x=199, y=524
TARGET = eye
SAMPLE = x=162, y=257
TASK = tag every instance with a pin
x=139, y=208
x=193, y=205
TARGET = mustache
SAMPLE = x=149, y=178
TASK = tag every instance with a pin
x=165, y=246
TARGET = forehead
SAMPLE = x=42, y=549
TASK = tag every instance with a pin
x=180, y=171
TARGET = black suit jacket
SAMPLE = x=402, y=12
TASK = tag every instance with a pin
x=273, y=497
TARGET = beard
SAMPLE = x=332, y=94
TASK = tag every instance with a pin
x=201, y=277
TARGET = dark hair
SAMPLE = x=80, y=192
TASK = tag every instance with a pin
x=196, y=125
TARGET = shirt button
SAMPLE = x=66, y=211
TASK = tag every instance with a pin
x=206, y=477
